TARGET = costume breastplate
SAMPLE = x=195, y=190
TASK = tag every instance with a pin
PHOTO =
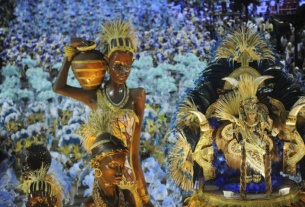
x=122, y=120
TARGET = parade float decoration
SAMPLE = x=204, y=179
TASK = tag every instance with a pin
x=238, y=130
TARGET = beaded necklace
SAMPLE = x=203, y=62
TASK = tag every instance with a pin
x=100, y=199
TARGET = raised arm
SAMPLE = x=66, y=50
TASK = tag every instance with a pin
x=61, y=87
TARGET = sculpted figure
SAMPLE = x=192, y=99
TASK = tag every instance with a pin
x=42, y=188
x=114, y=106
x=108, y=160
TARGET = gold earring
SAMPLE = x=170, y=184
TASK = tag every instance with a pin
x=98, y=173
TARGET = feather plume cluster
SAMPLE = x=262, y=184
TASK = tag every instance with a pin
x=244, y=41
x=39, y=176
x=117, y=29
x=185, y=117
x=247, y=87
x=181, y=163
x=99, y=122
x=227, y=107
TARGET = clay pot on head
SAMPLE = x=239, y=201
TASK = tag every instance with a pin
x=89, y=67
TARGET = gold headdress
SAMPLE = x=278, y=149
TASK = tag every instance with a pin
x=118, y=35
x=97, y=124
x=39, y=183
x=227, y=107
x=244, y=46
x=248, y=86
x=105, y=145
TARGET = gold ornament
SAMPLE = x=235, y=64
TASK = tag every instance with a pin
x=90, y=45
x=98, y=173
x=118, y=35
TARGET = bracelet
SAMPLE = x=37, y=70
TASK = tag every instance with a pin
x=146, y=198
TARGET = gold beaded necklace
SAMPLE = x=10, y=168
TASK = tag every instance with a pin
x=101, y=201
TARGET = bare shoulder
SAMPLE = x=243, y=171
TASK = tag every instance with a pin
x=138, y=93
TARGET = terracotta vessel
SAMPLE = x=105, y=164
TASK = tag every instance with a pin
x=89, y=68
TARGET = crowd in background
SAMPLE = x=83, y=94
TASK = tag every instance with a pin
x=164, y=29
x=38, y=30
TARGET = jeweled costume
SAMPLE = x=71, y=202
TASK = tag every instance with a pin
x=241, y=101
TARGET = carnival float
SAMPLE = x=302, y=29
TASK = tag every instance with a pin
x=238, y=130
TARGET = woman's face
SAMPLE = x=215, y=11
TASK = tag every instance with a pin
x=251, y=111
x=120, y=66
x=251, y=116
x=113, y=168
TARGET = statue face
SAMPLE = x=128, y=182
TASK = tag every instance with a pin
x=40, y=201
x=112, y=167
x=120, y=66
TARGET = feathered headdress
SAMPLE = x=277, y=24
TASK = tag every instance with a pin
x=248, y=86
x=40, y=183
x=244, y=46
x=100, y=122
x=118, y=35
x=227, y=107
x=97, y=124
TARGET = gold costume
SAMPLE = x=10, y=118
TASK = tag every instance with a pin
x=251, y=113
